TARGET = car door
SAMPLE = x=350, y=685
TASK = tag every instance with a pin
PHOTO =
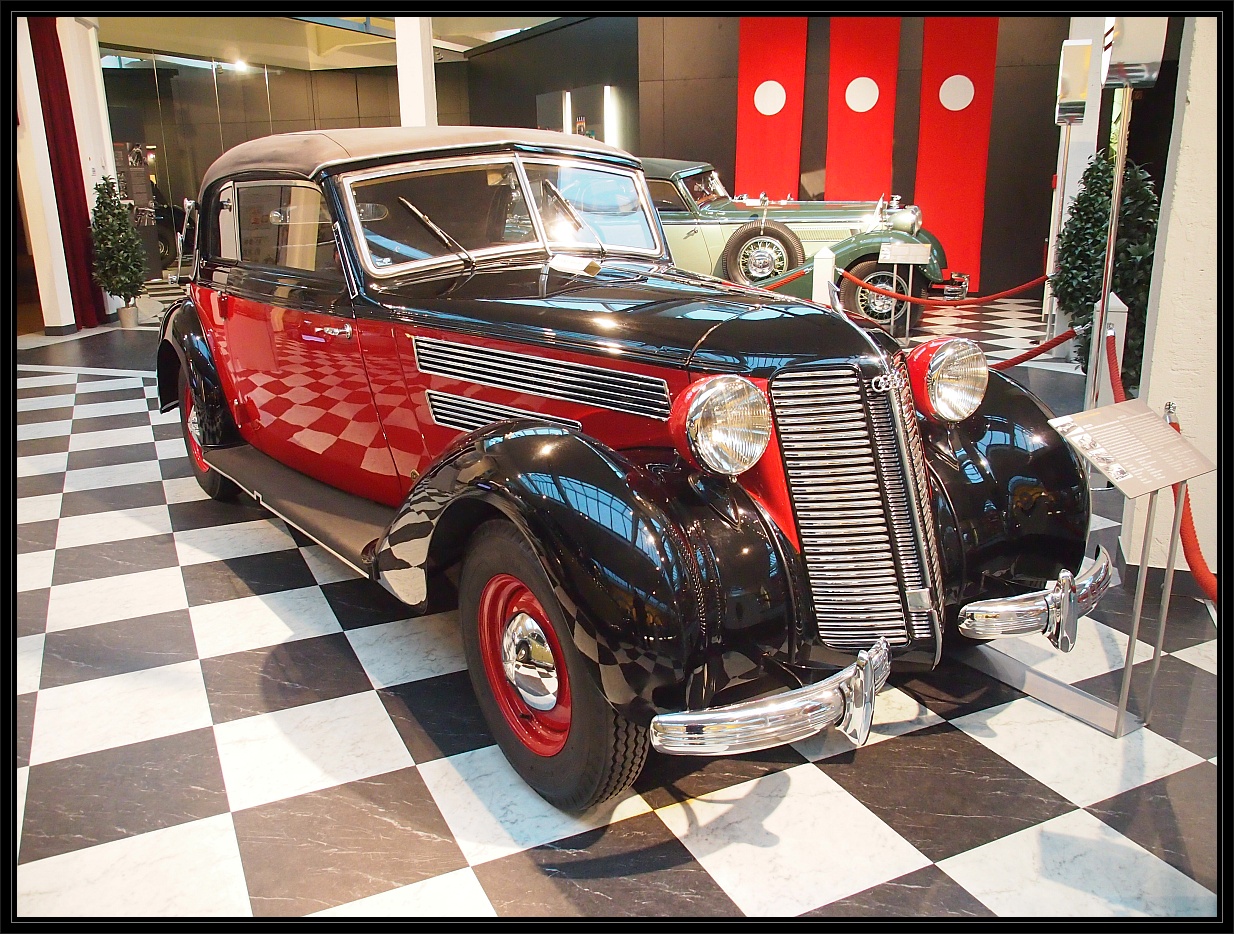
x=686, y=241
x=294, y=347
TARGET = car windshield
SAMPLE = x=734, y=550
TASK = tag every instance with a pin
x=479, y=209
x=705, y=187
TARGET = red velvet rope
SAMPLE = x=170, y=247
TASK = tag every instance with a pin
x=1035, y=352
x=941, y=302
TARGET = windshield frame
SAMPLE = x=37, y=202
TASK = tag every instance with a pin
x=538, y=247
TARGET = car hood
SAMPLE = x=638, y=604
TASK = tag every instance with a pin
x=857, y=214
x=646, y=313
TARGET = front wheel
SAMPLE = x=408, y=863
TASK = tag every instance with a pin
x=761, y=250
x=887, y=311
x=215, y=485
x=544, y=708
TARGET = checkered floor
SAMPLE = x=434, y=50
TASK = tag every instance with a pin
x=1003, y=329
x=214, y=718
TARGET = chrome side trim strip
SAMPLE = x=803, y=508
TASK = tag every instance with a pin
x=451, y=411
x=632, y=393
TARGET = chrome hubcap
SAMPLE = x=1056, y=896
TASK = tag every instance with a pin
x=194, y=424
x=528, y=662
x=762, y=258
x=882, y=307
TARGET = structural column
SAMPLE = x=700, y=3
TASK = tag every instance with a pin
x=417, y=89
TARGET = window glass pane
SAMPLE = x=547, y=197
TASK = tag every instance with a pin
x=285, y=225
x=225, y=225
x=603, y=206
x=664, y=195
x=478, y=206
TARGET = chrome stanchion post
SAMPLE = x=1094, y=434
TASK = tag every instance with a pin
x=1142, y=578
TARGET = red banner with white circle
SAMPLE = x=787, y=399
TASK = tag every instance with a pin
x=771, y=80
x=957, y=100
x=861, y=106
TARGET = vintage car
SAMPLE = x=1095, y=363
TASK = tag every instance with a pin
x=682, y=514
x=750, y=241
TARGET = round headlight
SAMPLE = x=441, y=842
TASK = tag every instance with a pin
x=949, y=376
x=723, y=423
x=906, y=219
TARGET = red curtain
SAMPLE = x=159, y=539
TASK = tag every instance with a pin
x=861, y=106
x=71, y=205
x=771, y=61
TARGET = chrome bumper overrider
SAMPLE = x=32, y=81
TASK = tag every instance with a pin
x=846, y=700
x=956, y=289
x=1053, y=612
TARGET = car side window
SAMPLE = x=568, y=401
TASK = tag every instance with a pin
x=665, y=196
x=223, y=233
x=287, y=226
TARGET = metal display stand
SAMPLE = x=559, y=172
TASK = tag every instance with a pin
x=1141, y=455
x=911, y=254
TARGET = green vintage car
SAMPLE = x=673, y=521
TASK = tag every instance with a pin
x=757, y=241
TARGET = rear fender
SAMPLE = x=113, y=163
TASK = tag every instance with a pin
x=183, y=346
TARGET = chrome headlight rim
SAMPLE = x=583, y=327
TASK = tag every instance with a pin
x=707, y=423
x=949, y=377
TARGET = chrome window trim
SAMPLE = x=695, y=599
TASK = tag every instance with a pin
x=441, y=412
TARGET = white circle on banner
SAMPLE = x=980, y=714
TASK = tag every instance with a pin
x=769, y=98
x=861, y=94
x=956, y=92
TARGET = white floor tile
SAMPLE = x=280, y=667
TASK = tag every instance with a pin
x=108, y=385
x=170, y=417
x=44, y=430
x=99, y=478
x=29, y=662
x=102, y=409
x=53, y=379
x=34, y=570
x=37, y=465
x=291, y=752
x=74, y=719
x=170, y=449
x=895, y=713
x=409, y=649
x=1011, y=343
x=235, y=540
x=1076, y=866
x=190, y=870
x=326, y=568
x=107, y=599
x=258, y=621
x=750, y=838
x=493, y=813
x=97, y=528
x=1203, y=656
x=38, y=508
x=183, y=490
x=39, y=403
x=455, y=894
x=1098, y=649
x=1083, y=764
x=115, y=437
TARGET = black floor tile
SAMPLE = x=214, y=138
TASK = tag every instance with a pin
x=331, y=847
x=83, y=426
x=204, y=513
x=85, y=800
x=633, y=868
x=953, y=689
x=38, y=416
x=111, y=348
x=669, y=779
x=24, y=723
x=105, y=649
x=110, y=456
x=234, y=578
x=173, y=468
x=107, y=499
x=37, y=536
x=927, y=893
x=32, y=447
x=40, y=484
x=1188, y=622
x=127, y=556
x=437, y=717
x=359, y=603
x=291, y=674
x=32, y=611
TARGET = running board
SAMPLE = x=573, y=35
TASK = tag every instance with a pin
x=342, y=523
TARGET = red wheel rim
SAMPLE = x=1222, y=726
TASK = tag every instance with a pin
x=543, y=732
x=195, y=451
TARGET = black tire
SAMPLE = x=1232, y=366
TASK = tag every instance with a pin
x=167, y=247
x=879, y=307
x=761, y=250
x=215, y=485
x=578, y=752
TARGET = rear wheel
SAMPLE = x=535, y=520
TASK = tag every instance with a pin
x=887, y=311
x=210, y=480
x=549, y=717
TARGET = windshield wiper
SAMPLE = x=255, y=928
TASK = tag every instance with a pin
x=572, y=215
x=440, y=234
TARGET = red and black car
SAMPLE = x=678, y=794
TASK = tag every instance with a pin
x=684, y=515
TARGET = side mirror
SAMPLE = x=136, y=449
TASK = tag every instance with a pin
x=190, y=218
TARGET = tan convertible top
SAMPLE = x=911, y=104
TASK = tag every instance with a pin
x=304, y=154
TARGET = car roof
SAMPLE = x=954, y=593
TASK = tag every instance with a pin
x=673, y=168
x=306, y=153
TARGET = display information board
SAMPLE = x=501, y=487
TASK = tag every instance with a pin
x=904, y=253
x=1133, y=446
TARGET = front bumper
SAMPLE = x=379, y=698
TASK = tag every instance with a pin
x=845, y=700
x=1053, y=612
x=956, y=290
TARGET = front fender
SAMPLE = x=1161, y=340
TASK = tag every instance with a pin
x=1012, y=500
x=183, y=346
x=632, y=546
x=866, y=246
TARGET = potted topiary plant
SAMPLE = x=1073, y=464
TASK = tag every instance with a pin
x=1076, y=282
x=119, y=256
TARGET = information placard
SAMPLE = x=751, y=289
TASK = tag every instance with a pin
x=904, y=253
x=1133, y=446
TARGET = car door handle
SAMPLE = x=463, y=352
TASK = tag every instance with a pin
x=344, y=331
x=690, y=233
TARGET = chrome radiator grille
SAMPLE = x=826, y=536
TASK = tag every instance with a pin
x=858, y=515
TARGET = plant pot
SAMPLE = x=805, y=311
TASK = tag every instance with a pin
x=128, y=316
